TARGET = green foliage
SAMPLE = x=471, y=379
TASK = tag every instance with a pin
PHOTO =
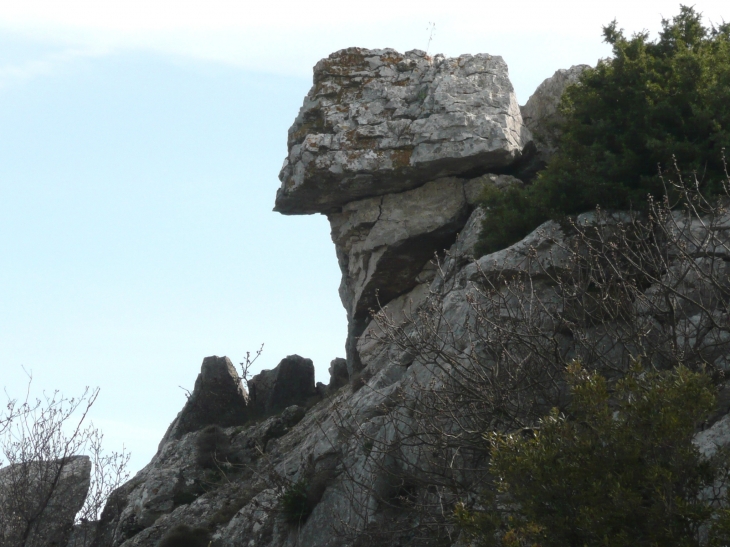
x=652, y=102
x=620, y=470
x=295, y=504
x=185, y=536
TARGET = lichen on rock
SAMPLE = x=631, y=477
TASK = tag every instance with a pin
x=377, y=122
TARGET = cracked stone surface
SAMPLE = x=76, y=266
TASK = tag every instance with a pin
x=540, y=113
x=241, y=506
x=218, y=398
x=377, y=122
x=29, y=488
x=383, y=243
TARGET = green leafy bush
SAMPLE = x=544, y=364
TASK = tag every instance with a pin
x=620, y=470
x=652, y=102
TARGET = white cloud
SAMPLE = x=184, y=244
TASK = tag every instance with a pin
x=285, y=36
x=20, y=71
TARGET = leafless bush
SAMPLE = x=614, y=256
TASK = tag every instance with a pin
x=489, y=347
x=53, y=471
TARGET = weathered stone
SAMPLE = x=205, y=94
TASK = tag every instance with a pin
x=383, y=243
x=338, y=374
x=53, y=490
x=290, y=383
x=541, y=253
x=218, y=398
x=541, y=115
x=378, y=122
x=388, y=217
x=474, y=188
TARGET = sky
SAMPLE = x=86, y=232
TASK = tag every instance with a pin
x=140, y=144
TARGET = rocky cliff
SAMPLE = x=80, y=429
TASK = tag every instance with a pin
x=395, y=149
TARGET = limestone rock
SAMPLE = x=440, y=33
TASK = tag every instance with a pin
x=24, y=489
x=383, y=243
x=378, y=122
x=218, y=398
x=290, y=383
x=717, y=436
x=338, y=374
x=540, y=113
x=541, y=253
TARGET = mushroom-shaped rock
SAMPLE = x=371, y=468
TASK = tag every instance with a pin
x=378, y=122
x=218, y=398
x=290, y=383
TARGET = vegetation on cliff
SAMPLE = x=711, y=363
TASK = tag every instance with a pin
x=653, y=103
x=619, y=468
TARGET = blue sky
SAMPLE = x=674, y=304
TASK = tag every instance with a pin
x=140, y=145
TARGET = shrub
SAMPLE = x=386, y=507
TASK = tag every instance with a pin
x=232, y=506
x=294, y=503
x=654, y=101
x=185, y=536
x=620, y=469
x=212, y=447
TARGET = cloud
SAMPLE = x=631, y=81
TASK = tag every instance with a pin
x=289, y=37
x=20, y=71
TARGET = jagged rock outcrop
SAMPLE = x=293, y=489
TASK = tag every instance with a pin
x=455, y=122
x=218, y=398
x=540, y=113
x=24, y=491
x=321, y=445
x=380, y=122
x=338, y=374
x=290, y=383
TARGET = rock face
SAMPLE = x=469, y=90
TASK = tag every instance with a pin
x=24, y=489
x=322, y=446
x=378, y=122
x=218, y=398
x=396, y=151
x=290, y=383
x=388, y=145
x=338, y=373
x=384, y=245
x=540, y=113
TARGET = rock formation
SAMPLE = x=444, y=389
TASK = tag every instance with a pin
x=290, y=383
x=395, y=149
x=379, y=122
x=389, y=146
x=218, y=398
x=24, y=500
x=541, y=115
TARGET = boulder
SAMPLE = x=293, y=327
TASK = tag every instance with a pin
x=31, y=488
x=290, y=383
x=218, y=398
x=378, y=122
x=541, y=115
